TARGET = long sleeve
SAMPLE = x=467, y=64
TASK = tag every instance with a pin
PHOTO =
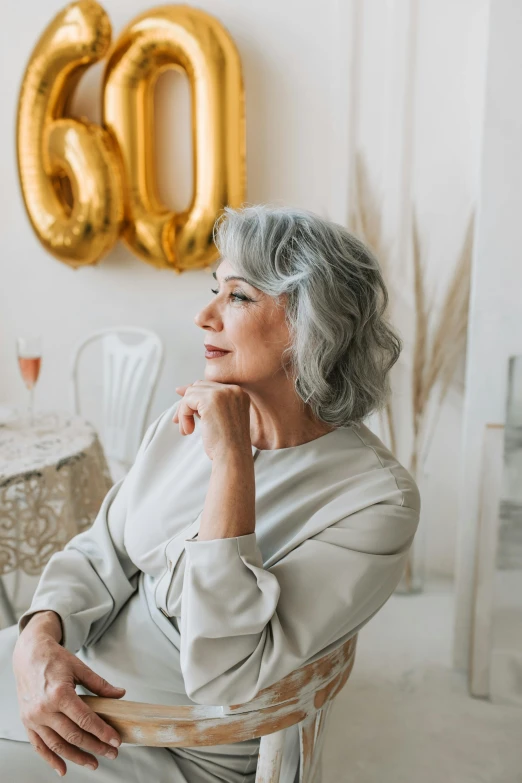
x=244, y=627
x=89, y=581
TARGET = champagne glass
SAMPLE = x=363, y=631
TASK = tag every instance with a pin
x=29, y=352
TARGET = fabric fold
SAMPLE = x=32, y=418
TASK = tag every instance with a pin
x=244, y=627
x=225, y=579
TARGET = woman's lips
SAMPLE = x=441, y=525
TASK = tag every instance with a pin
x=214, y=353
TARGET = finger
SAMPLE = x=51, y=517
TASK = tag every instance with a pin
x=87, y=719
x=185, y=414
x=180, y=423
x=90, y=722
x=46, y=753
x=63, y=749
x=95, y=682
x=176, y=415
x=188, y=412
x=70, y=730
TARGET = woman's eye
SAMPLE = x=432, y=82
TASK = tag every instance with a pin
x=235, y=295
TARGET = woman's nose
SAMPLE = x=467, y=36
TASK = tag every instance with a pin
x=207, y=316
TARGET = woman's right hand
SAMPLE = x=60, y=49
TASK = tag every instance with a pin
x=58, y=723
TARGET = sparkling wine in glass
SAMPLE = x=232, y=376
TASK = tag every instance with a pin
x=29, y=352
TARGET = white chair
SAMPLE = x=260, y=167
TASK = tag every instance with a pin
x=130, y=375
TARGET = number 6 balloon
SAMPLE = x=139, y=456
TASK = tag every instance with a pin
x=69, y=169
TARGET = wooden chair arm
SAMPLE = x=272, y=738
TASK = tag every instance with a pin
x=161, y=726
x=287, y=702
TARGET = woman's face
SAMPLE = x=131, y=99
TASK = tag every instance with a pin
x=249, y=325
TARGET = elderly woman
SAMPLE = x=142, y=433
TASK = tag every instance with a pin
x=261, y=524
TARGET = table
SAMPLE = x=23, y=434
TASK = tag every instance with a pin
x=53, y=478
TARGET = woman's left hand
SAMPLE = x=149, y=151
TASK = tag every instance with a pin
x=224, y=410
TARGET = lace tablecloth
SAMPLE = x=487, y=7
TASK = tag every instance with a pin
x=53, y=478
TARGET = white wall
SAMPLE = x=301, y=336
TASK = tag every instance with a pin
x=323, y=77
x=496, y=312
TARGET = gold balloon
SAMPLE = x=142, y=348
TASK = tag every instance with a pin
x=183, y=37
x=70, y=170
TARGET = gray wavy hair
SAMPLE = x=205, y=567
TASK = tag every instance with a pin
x=342, y=347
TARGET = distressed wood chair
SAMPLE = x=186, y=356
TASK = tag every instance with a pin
x=304, y=696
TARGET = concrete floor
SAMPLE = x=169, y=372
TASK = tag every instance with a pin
x=405, y=716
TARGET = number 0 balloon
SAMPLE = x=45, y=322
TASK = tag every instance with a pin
x=186, y=38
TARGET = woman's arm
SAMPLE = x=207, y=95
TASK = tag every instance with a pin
x=88, y=582
x=58, y=723
x=244, y=627
x=79, y=593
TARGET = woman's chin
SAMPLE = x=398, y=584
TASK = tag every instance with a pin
x=220, y=375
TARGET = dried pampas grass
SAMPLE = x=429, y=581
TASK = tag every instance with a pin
x=435, y=360
x=450, y=337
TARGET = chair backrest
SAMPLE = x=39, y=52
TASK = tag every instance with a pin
x=303, y=697
x=130, y=375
